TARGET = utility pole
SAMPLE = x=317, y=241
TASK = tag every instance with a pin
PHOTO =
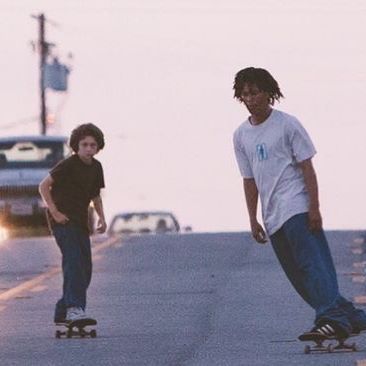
x=43, y=55
x=51, y=76
x=43, y=52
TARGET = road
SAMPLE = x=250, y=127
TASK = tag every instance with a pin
x=191, y=299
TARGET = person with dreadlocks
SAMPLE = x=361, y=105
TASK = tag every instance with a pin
x=274, y=154
x=67, y=191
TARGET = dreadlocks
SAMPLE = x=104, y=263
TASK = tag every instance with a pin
x=259, y=77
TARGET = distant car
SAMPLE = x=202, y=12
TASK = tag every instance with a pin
x=154, y=222
x=24, y=162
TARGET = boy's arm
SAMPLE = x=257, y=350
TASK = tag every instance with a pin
x=251, y=197
x=315, y=219
x=98, y=205
x=45, y=192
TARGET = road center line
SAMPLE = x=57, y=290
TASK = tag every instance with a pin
x=36, y=281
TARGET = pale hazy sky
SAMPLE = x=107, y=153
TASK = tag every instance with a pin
x=157, y=77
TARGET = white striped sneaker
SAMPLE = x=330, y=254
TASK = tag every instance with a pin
x=324, y=331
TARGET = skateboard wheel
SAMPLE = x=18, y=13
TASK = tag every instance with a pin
x=93, y=333
x=307, y=350
x=354, y=347
x=329, y=348
x=58, y=334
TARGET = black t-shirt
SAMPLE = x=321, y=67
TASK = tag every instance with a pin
x=75, y=185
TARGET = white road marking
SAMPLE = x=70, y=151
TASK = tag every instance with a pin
x=359, y=279
x=361, y=300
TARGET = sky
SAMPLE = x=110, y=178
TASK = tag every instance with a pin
x=156, y=76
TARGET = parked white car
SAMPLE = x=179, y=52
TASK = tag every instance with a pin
x=24, y=162
x=154, y=222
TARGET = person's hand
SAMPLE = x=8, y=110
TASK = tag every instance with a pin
x=258, y=233
x=315, y=220
x=59, y=217
x=102, y=226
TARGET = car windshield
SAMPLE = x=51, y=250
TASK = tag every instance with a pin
x=32, y=154
x=144, y=223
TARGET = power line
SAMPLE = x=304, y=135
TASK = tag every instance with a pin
x=19, y=122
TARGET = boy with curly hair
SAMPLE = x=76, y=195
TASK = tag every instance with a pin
x=68, y=191
x=274, y=154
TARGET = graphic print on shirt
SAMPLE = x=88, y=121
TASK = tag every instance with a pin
x=262, y=152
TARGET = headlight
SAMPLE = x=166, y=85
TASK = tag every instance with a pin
x=4, y=234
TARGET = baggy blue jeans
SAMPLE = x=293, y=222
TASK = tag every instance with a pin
x=74, y=244
x=306, y=259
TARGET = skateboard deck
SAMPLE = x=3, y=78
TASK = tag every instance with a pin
x=325, y=344
x=76, y=328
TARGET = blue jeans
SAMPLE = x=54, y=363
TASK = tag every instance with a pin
x=306, y=259
x=74, y=244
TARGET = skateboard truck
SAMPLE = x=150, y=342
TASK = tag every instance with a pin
x=77, y=329
x=320, y=347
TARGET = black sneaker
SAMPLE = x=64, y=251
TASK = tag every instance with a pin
x=59, y=320
x=358, y=321
x=324, y=331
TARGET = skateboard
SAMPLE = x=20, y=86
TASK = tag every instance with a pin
x=76, y=328
x=320, y=345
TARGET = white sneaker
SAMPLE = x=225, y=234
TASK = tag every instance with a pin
x=74, y=313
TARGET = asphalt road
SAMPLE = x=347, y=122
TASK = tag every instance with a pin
x=191, y=299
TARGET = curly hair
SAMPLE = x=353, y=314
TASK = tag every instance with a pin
x=84, y=130
x=259, y=77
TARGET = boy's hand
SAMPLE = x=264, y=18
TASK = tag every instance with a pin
x=258, y=233
x=102, y=226
x=59, y=217
x=315, y=220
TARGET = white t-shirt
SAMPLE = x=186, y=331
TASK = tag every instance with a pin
x=269, y=153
